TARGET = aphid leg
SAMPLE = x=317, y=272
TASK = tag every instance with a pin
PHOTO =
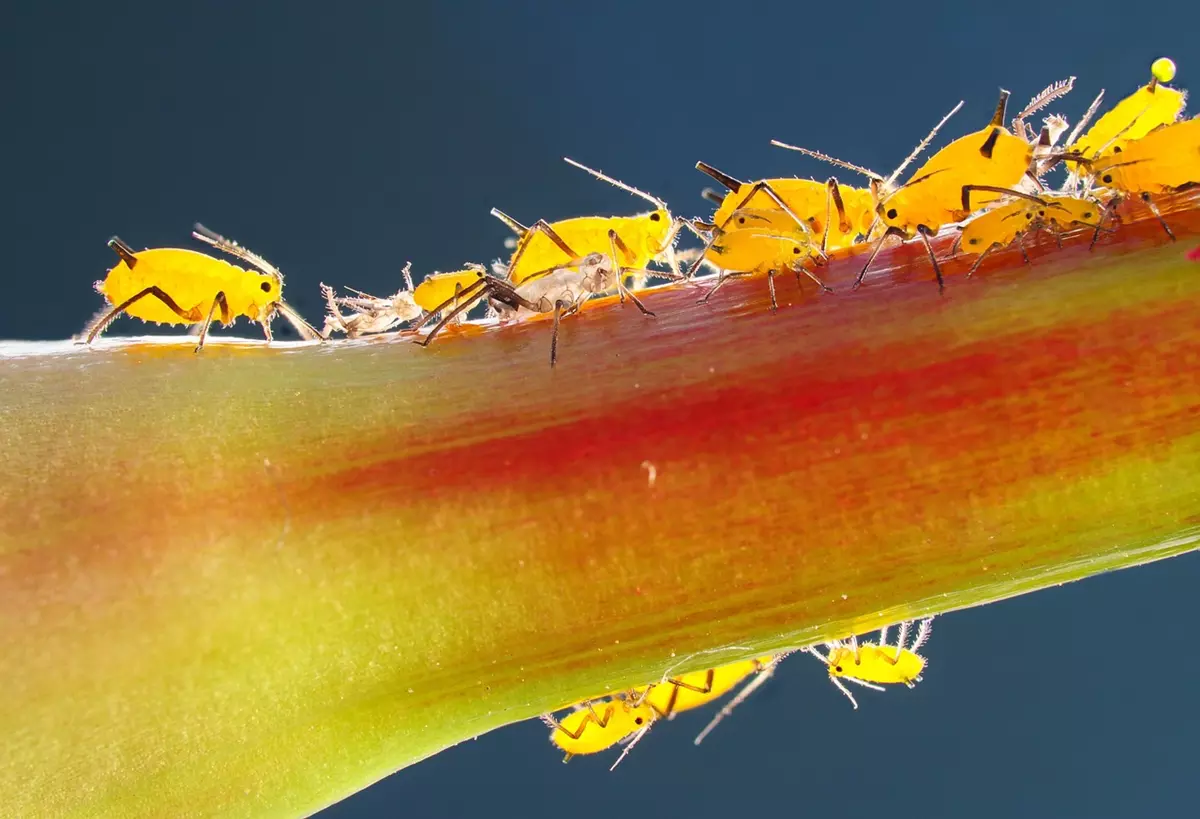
x=1111, y=207
x=266, y=325
x=1021, y=245
x=747, y=689
x=923, y=232
x=853, y=641
x=924, y=629
x=218, y=301
x=979, y=261
x=124, y=251
x=478, y=288
x=615, y=242
x=558, y=308
x=1154, y=209
x=883, y=636
x=335, y=320
x=543, y=227
x=722, y=277
x=102, y=320
x=407, y=274
x=771, y=289
x=699, y=689
x=891, y=231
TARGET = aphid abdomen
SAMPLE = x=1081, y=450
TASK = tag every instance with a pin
x=191, y=279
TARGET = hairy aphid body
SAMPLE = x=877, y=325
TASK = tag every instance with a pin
x=177, y=286
x=1164, y=161
x=1025, y=214
x=761, y=242
x=684, y=692
x=597, y=725
x=874, y=665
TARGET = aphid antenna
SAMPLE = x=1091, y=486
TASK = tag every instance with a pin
x=841, y=163
x=406, y=272
x=844, y=690
x=660, y=204
x=749, y=688
x=631, y=744
x=1085, y=119
x=921, y=146
x=231, y=247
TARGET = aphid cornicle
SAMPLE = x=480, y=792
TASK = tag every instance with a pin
x=634, y=241
x=597, y=725
x=561, y=290
x=371, y=314
x=876, y=665
x=1164, y=161
x=177, y=286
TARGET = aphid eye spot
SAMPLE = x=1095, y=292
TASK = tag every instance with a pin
x=266, y=287
x=891, y=214
x=1107, y=178
x=838, y=669
x=795, y=250
x=654, y=217
x=1116, y=149
x=972, y=241
x=638, y=721
x=1087, y=215
x=1029, y=216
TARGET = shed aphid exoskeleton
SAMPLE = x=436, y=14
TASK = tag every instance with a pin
x=561, y=290
x=876, y=665
x=371, y=314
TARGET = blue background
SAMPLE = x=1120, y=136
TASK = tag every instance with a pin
x=340, y=140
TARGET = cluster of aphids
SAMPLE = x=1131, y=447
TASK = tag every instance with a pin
x=599, y=723
x=988, y=186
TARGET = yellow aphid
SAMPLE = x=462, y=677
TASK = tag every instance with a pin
x=1150, y=107
x=371, y=313
x=177, y=286
x=438, y=291
x=1010, y=221
x=991, y=157
x=876, y=665
x=764, y=242
x=836, y=215
x=1163, y=161
x=683, y=692
x=597, y=725
x=634, y=241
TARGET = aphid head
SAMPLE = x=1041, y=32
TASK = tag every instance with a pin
x=841, y=662
x=265, y=292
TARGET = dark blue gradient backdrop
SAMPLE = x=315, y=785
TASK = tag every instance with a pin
x=341, y=140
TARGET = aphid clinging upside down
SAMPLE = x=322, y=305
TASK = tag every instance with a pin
x=874, y=666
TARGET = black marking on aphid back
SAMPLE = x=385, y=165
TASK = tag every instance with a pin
x=989, y=144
